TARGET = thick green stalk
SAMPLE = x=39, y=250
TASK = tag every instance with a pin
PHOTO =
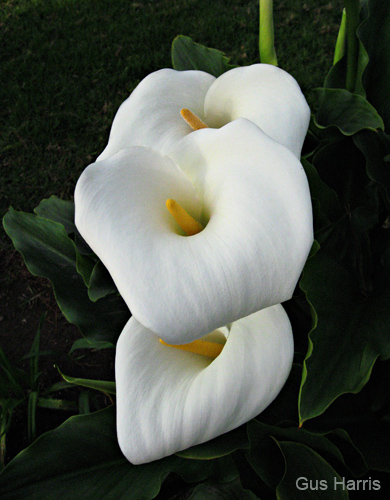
x=352, y=12
x=266, y=33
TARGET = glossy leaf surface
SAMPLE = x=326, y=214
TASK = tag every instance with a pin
x=187, y=54
x=81, y=459
x=50, y=253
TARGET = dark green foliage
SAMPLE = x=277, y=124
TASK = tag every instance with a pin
x=50, y=252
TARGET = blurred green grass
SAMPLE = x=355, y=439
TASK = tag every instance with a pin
x=68, y=64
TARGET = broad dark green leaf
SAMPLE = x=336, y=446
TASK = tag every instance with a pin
x=376, y=147
x=187, y=54
x=329, y=209
x=361, y=67
x=264, y=456
x=347, y=241
x=349, y=112
x=336, y=78
x=352, y=457
x=285, y=407
x=366, y=418
x=375, y=35
x=222, y=491
x=373, y=438
x=58, y=210
x=308, y=476
x=62, y=211
x=84, y=266
x=350, y=331
x=49, y=252
x=100, y=283
x=334, y=446
x=342, y=167
x=218, y=447
x=81, y=460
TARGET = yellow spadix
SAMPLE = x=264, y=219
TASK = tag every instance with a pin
x=193, y=121
x=184, y=219
x=203, y=347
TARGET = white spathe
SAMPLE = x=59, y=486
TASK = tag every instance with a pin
x=250, y=193
x=267, y=95
x=169, y=400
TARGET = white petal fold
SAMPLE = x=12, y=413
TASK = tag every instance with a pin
x=264, y=94
x=249, y=191
x=169, y=400
x=150, y=117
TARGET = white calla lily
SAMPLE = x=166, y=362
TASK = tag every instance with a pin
x=250, y=194
x=169, y=399
x=264, y=94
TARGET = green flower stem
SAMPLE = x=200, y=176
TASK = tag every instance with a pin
x=352, y=13
x=339, y=50
x=266, y=33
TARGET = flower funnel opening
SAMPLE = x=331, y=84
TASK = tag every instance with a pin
x=183, y=218
x=193, y=121
x=202, y=347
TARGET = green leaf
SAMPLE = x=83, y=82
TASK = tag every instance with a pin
x=84, y=266
x=62, y=211
x=31, y=415
x=352, y=457
x=99, y=385
x=34, y=354
x=218, y=447
x=349, y=112
x=350, y=331
x=49, y=252
x=100, y=283
x=81, y=460
x=365, y=416
x=376, y=147
x=85, y=343
x=361, y=67
x=327, y=197
x=337, y=76
x=308, y=476
x=373, y=439
x=14, y=381
x=284, y=407
x=58, y=210
x=222, y=491
x=335, y=446
x=340, y=46
x=341, y=166
x=375, y=35
x=187, y=54
x=264, y=456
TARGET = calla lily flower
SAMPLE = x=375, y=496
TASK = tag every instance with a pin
x=248, y=192
x=170, y=399
x=264, y=94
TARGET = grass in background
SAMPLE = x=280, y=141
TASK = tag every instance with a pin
x=68, y=64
